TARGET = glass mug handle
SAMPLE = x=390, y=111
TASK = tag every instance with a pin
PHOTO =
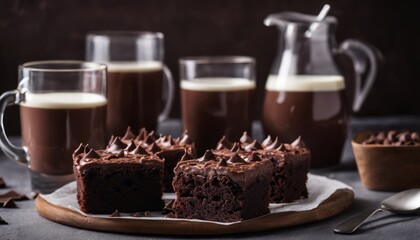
x=167, y=109
x=11, y=151
x=362, y=56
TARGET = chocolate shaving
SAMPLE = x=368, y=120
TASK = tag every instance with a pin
x=224, y=143
x=208, y=155
x=245, y=138
x=139, y=150
x=92, y=154
x=131, y=146
x=267, y=141
x=154, y=148
x=236, y=159
x=2, y=221
x=7, y=202
x=222, y=162
x=15, y=195
x=128, y=134
x=116, y=145
x=115, y=214
x=2, y=183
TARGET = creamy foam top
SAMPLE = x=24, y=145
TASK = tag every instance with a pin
x=217, y=84
x=69, y=100
x=305, y=83
x=147, y=66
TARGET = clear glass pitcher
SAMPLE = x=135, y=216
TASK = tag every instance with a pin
x=305, y=91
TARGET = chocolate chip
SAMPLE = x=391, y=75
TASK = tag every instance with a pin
x=121, y=154
x=186, y=156
x=131, y=146
x=274, y=144
x=224, y=143
x=92, y=154
x=299, y=143
x=222, y=163
x=236, y=159
x=142, y=134
x=186, y=139
x=393, y=137
x=149, y=139
x=245, y=138
x=154, y=148
x=254, y=145
x=115, y=214
x=116, y=145
x=267, y=141
x=79, y=150
x=7, y=202
x=139, y=150
x=415, y=136
x=208, y=155
x=281, y=147
x=2, y=183
x=14, y=195
x=235, y=147
x=2, y=221
x=254, y=157
x=128, y=134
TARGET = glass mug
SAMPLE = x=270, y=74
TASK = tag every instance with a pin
x=135, y=78
x=62, y=104
x=217, y=96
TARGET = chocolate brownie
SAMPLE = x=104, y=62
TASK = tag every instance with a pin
x=291, y=162
x=222, y=186
x=167, y=148
x=123, y=178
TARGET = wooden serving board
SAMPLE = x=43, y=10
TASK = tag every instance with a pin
x=335, y=204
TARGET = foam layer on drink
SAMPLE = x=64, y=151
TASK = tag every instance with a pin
x=305, y=83
x=217, y=84
x=63, y=100
x=147, y=66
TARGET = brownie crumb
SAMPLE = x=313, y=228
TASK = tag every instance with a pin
x=2, y=221
x=14, y=195
x=115, y=214
x=7, y=202
x=2, y=183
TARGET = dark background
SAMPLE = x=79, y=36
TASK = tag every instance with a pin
x=41, y=30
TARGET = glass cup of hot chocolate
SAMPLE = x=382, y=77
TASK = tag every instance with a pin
x=217, y=96
x=62, y=104
x=136, y=74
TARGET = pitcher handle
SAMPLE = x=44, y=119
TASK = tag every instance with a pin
x=168, y=105
x=362, y=56
x=11, y=151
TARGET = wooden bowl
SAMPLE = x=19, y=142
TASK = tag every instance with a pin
x=386, y=168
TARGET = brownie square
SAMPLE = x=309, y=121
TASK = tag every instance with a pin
x=290, y=161
x=165, y=147
x=224, y=187
x=129, y=180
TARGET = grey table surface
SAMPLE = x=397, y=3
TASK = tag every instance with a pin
x=25, y=223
